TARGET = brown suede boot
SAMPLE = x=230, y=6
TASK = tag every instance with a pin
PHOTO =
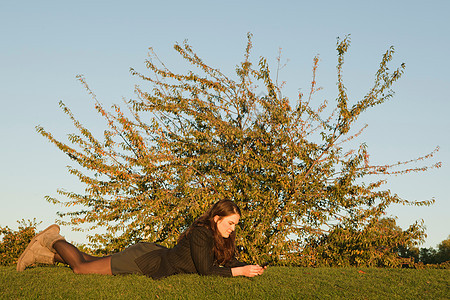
x=34, y=253
x=49, y=238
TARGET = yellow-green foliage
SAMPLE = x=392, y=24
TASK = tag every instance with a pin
x=194, y=138
x=14, y=242
x=374, y=245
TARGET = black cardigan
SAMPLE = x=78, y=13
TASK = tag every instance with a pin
x=192, y=254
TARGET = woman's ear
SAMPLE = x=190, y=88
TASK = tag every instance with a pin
x=216, y=218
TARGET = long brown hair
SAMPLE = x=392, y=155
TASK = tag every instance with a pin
x=224, y=249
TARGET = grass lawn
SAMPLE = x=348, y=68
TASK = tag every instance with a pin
x=277, y=283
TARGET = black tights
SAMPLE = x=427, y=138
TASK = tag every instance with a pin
x=80, y=262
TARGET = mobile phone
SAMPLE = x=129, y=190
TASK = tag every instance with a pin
x=264, y=264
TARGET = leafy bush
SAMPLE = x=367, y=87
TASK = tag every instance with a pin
x=14, y=242
x=378, y=244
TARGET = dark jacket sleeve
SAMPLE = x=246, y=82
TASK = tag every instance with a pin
x=235, y=263
x=201, y=244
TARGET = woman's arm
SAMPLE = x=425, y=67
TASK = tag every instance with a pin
x=237, y=268
x=248, y=270
x=201, y=244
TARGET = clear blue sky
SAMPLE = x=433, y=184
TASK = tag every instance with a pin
x=45, y=44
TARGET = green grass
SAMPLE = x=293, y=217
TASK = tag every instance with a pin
x=276, y=283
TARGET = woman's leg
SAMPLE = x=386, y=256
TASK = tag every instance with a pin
x=86, y=257
x=81, y=263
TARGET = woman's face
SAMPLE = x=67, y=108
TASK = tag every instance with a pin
x=226, y=225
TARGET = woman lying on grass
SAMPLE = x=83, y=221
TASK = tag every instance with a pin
x=207, y=247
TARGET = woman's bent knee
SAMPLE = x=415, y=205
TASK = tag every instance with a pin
x=77, y=270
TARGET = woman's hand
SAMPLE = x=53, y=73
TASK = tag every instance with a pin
x=248, y=271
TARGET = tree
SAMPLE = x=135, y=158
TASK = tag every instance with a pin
x=433, y=256
x=196, y=138
x=443, y=253
x=428, y=255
